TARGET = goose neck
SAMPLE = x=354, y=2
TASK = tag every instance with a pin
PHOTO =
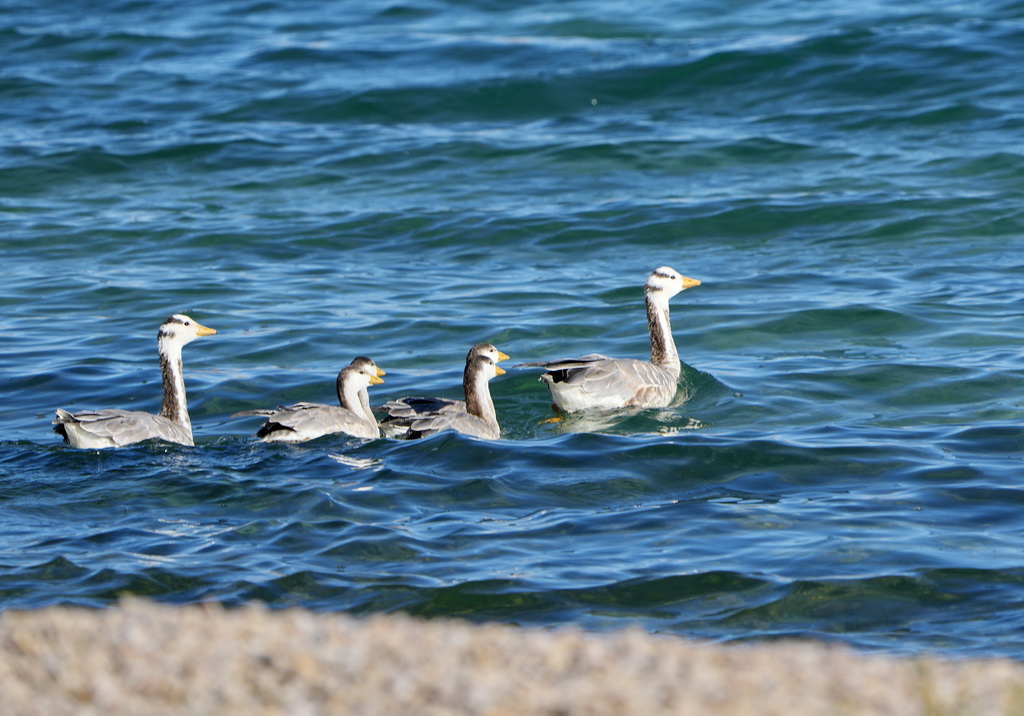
x=663, y=345
x=478, y=396
x=175, y=404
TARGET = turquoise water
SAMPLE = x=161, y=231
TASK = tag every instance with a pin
x=401, y=180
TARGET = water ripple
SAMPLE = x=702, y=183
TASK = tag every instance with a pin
x=841, y=462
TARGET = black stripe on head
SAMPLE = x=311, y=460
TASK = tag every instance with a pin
x=651, y=286
x=178, y=319
x=175, y=320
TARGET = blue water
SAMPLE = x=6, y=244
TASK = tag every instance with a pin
x=401, y=180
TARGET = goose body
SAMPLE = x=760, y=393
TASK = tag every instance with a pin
x=113, y=427
x=307, y=421
x=419, y=417
x=596, y=381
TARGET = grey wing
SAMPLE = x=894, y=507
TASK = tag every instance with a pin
x=452, y=416
x=411, y=408
x=611, y=382
x=114, y=428
x=419, y=417
x=465, y=423
x=306, y=421
x=566, y=363
x=645, y=385
x=255, y=411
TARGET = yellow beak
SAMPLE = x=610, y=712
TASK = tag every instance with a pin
x=380, y=372
x=502, y=356
x=498, y=370
x=202, y=330
x=690, y=282
x=376, y=380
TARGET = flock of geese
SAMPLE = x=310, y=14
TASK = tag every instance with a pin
x=588, y=382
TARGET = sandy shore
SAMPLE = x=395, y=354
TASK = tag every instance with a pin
x=142, y=658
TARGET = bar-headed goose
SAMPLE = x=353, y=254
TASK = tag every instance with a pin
x=307, y=421
x=115, y=428
x=597, y=381
x=419, y=417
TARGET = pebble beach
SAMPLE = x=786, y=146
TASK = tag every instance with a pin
x=145, y=658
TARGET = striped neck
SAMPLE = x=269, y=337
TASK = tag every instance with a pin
x=175, y=404
x=663, y=345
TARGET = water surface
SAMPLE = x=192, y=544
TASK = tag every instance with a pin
x=402, y=180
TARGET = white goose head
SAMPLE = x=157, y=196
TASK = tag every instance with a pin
x=666, y=282
x=180, y=330
x=362, y=373
x=483, y=366
x=488, y=350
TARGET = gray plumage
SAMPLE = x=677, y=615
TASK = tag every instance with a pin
x=113, y=427
x=307, y=421
x=412, y=418
x=599, y=381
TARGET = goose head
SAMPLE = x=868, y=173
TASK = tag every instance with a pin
x=666, y=282
x=483, y=366
x=488, y=350
x=362, y=373
x=179, y=330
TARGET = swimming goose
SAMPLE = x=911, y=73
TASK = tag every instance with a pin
x=597, y=381
x=307, y=421
x=116, y=428
x=418, y=417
